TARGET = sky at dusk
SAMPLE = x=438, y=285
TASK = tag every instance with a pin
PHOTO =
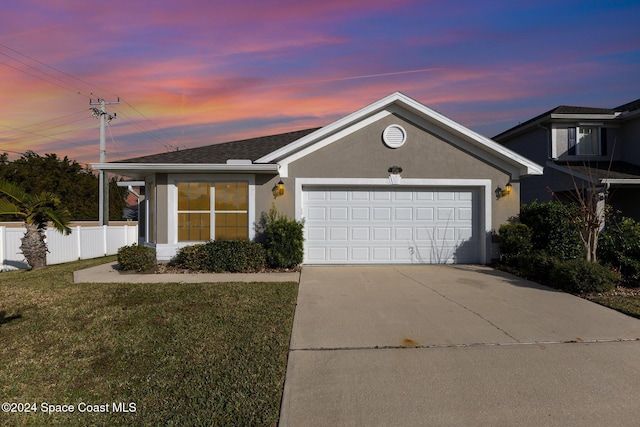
x=196, y=72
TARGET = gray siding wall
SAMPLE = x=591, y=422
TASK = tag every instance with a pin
x=630, y=136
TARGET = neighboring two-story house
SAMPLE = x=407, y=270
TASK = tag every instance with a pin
x=584, y=148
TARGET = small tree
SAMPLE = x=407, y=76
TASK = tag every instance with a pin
x=36, y=210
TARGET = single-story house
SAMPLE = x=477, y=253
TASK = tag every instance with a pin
x=394, y=182
x=582, y=149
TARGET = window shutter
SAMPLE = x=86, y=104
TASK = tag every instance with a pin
x=572, y=141
x=603, y=141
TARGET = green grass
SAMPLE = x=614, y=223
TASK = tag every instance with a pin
x=627, y=304
x=184, y=354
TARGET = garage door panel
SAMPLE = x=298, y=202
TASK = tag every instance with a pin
x=338, y=254
x=317, y=213
x=339, y=214
x=316, y=254
x=317, y=233
x=424, y=214
x=339, y=233
x=362, y=254
x=403, y=233
x=403, y=214
x=445, y=214
x=465, y=214
x=382, y=214
x=404, y=225
x=338, y=195
x=382, y=234
x=360, y=233
x=360, y=214
x=382, y=195
x=382, y=254
x=403, y=196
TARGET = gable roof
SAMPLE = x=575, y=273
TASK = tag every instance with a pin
x=571, y=112
x=250, y=149
x=401, y=104
x=272, y=154
x=629, y=106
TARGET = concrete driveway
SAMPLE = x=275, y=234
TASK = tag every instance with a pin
x=455, y=345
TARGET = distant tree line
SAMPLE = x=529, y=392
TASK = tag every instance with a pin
x=75, y=185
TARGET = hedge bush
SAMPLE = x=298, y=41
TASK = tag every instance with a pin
x=217, y=256
x=515, y=240
x=189, y=257
x=136, y=258
x=284, y=240
x=582, y=276
x=552, y=229
x=619, y=246
x=536, y=266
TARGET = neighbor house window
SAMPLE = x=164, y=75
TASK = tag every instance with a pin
x=194, y=211
x=587, y=141
x=227, y=219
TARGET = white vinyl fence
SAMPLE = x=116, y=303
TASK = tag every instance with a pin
x=84, y=242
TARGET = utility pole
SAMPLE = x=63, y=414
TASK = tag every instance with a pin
x=103, y=182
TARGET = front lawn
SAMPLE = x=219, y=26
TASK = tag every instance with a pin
x=142, y=354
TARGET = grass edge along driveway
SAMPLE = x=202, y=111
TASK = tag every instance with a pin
x=141, y=354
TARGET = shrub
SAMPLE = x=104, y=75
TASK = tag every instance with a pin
x=619, y=246
x=515, y=240
x=552, y=229
x=536, y=265
x=283, y=240
x=189, y=257
x=136, y=258
x=236, y=256
x=582, y=276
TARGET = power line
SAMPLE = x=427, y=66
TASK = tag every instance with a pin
x=53, y=68
x=73, y=87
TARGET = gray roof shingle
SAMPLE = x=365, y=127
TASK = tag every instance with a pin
x=252, y=149
x=603, y=170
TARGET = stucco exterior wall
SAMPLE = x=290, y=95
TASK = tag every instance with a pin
x=363, y=154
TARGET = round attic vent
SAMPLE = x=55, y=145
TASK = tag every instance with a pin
x=394, y=136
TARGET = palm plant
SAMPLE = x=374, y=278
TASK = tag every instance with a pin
x=35, y=210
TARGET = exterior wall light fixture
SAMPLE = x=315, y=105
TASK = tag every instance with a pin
x=502, y=193
x=278, y=189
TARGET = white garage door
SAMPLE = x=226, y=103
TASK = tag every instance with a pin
x=402, y=225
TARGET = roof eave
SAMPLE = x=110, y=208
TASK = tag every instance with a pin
x=144, y=169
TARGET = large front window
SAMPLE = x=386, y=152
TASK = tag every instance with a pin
x=228, y=220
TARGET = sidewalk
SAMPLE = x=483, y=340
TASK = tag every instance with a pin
x=107, y=273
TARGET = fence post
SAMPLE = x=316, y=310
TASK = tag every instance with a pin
x=104, y=240
x=79, y=241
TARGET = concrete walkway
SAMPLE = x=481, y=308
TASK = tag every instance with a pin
x=107, y=273
x=445, y=345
